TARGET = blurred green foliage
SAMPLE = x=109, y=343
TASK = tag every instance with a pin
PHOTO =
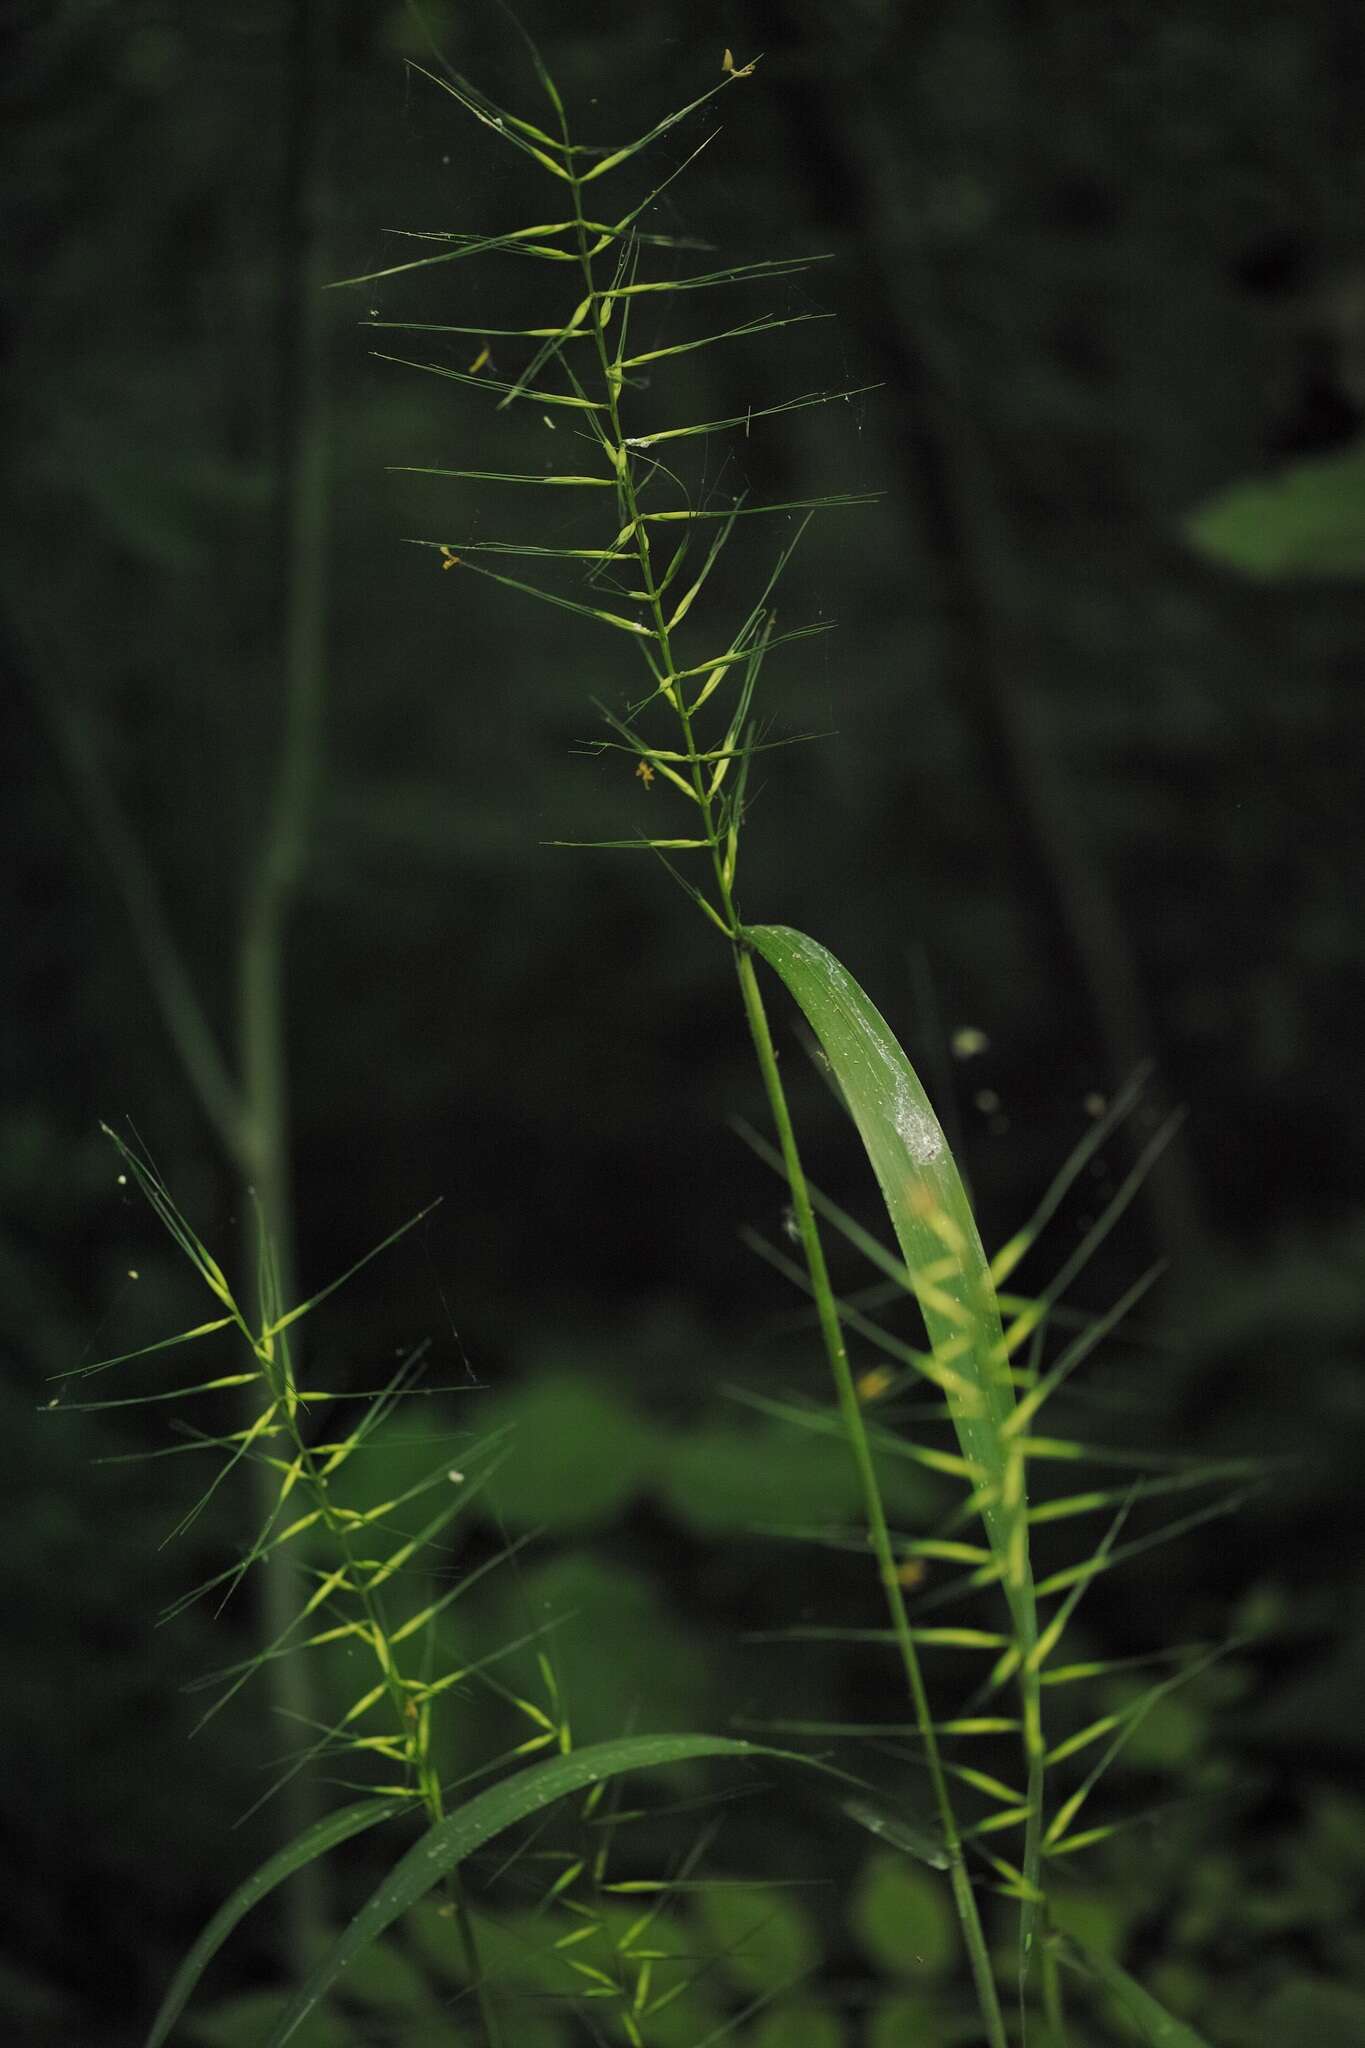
x=1307, y=522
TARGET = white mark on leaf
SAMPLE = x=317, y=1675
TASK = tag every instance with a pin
x=923, y=1138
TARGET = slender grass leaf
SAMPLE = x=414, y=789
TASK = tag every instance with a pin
x=511, y=128
x=933, y=1223
x=304, y=1307
x=231, y=1379
x=828, y=1422
x=145, y=1350
x=862, y=1240
x=533, y=550
x=741, y=419
x=1038, y=1310
x=158, y=1195
x=830, y=1632
x=919, y=1363
x=898, y=1278
x=1104, y=1667
x=484, y=334
x=491, y=383
x=1126, y=1722
x=1157, y=2027
x=315, y=1841
x=890, y=1827
x=547, y=352
x=832, y=501
x=1065, y=1506
x=470, y=245
x=631, y=845
x=1009, y=1254
x=934, y=1226
x=568, y=604
x=497, y=476
x=716, y=666
x=755, y=636
x=1079, y=1349
x=735, y=273
x=700, y=755
x=630, y=149
x=1069, y=1575
x=482, y=1818
x=762, y=325
x=488, y=107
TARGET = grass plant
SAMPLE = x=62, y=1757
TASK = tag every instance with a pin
x=695, y=731
x=995, y=1364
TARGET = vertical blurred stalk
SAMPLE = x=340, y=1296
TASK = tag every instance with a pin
x=273, y=885
x=250, y=1112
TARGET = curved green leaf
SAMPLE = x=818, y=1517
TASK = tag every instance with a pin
x=445, y=1846
x=898, y=1832
x=305, y=1848
x=1157, y=2027
x=934, y=1227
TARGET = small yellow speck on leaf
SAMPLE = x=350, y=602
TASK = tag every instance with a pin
x=910, y=1573
x=644, y=773
x=873, y=1384
x=449, y=558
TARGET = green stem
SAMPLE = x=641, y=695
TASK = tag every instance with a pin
x=856, y=1431
x=417, y=1763
x=264, y=1152
x=630, y=516
x=1053, y=2005
x=850, y=1408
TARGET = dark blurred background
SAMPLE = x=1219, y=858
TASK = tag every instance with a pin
x=1087, y=794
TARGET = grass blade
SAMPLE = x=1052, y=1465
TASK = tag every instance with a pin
x=447, y=1845
x=630, y=149
x=934, y=1227
x=568, y=604
x=496, y=476
x=893, y=1828
x=489, y=115
x=682, y=348
x=491, y=383
x=768, y=267
x=1157, y=2027
x=304, y=1849
x=514, y=243
x=738, y=419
